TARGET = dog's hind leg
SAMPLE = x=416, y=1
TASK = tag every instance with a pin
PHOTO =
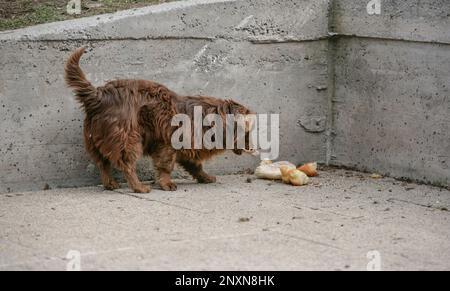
x=195, y=168
x=127, y=164
x=164, y=162
x=105, y=173
x=103, y=165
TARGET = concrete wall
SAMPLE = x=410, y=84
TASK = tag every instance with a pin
x=353, y=89
x=392, y=89
x=270, y=55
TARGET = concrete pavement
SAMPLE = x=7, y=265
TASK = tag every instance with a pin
x=236, y=224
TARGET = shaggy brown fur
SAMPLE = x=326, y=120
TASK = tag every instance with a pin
x=126, y=119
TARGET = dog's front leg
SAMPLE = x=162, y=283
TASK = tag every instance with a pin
x=195, y=168
x=133, y=181
x=164, y=161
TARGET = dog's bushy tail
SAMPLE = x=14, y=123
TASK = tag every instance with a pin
x=85, y=93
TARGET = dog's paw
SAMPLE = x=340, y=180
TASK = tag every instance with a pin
x=206, y=179
x=169, y=186
x=142, y=189
x=112, y=185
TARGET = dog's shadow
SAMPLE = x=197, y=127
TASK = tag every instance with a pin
x=182, y=186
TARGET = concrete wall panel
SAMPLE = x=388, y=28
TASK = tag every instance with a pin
x=413, y=20
x=392, y=108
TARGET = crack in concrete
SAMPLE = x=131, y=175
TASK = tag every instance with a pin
x=330, y=212
x=212, y=238
x=251, y=40
x=99, y=39
x=429, y=206
x=162, y=202
x=307, y=240
x=340, y=35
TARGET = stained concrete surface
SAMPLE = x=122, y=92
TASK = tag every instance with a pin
x=331, y=224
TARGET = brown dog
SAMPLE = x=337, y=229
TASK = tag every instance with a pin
x=126, y=119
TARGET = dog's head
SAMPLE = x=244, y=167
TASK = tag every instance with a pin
x=244, y=122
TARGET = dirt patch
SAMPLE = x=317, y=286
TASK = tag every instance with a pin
x=244, y=219
x=22, y=13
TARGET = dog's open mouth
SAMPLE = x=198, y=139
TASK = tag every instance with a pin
x=254, y=153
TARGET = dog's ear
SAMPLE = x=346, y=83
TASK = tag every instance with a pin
x=250, y=120
x=245, y=118
x=246, y=121
x=232, y=107
x=236, y=108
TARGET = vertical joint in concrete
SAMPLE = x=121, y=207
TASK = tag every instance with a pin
x=331, y=57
